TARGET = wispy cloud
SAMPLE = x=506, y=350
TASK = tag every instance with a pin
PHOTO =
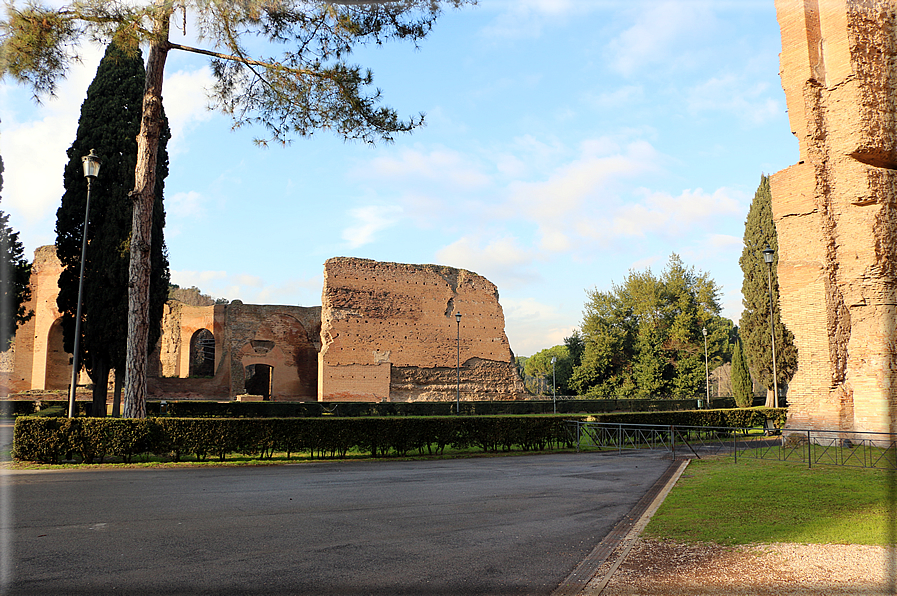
x=662, y=29
x=503, y=258
x=368, y=222
x=533, y=326
x=751, y=101
x=185, y=104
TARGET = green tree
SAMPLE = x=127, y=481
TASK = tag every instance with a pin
x=539, y=366
x=742, y=386
x=644, y=338
x=309, y=87
x=759, y=232
x=109, y=122
x=15, y=273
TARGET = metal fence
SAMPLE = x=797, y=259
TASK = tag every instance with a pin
x=810, y=447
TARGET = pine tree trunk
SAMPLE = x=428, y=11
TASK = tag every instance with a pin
x=141, y=227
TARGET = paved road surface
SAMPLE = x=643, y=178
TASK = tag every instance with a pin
x=512, y=525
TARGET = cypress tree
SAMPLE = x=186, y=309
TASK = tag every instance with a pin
x=742, y=386
x=109, y=123
x=759, y=232
x=15, y=273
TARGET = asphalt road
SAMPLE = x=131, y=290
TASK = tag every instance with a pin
x=512, y=525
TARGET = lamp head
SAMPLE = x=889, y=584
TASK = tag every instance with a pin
x=704, y=331
x=458, y=317
x=554, y=359
x=768, y=254
x=91, y=165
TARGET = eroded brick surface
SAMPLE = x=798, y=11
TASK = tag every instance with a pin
x=389, y=332
x=834, y=211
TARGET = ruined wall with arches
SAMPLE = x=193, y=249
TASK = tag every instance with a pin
x=387, y=331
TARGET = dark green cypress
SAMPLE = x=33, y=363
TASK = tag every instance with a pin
x=15, y=273
x=109, y=124
x=759, y=231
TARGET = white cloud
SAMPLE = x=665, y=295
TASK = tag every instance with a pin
x=749, y=100
x=576, y=191
x=34, y=151
x=186, y=104
x=659, y=31
x=369, y=221
x=662, y=213
x=532, y=326
x=438, y=167
x=504, y=261
x=252, y=289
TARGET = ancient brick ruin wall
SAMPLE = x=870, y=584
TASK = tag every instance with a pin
x=834, y=211
x=39, y=360
x=389, y=333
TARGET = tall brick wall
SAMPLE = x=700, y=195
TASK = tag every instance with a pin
x=39, y=360
x=834, y=211
x=388, y=332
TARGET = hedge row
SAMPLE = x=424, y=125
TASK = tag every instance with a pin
x=49, y=440
x=233, y=409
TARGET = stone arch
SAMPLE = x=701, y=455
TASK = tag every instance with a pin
x=58, y=371
x=202, y=354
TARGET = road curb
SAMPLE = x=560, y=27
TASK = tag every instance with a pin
x=582, y=580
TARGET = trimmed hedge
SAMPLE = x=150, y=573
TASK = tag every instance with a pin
x=50, y=440
x=203, y=409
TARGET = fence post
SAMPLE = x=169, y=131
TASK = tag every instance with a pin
x=809, y=452
x=735, y=444
x=673, y=439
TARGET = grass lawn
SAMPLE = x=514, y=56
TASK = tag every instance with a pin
x=754, y=501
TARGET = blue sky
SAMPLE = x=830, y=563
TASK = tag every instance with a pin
x=567, y=142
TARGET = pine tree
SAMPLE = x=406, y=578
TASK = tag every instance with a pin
x=15, y=273
x=109, y=123
x=742, y=386
x=759, y=232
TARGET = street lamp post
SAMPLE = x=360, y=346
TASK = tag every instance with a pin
x=554, y=385
x=91, y=165
x=706, y=366
x=768, y=255
x=458, y=366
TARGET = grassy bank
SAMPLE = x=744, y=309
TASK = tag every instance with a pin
x=761, y=501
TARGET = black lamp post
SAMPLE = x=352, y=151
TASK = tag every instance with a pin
x=91, y=165
x=458, y=366
x=706, y=366
x=554, y=393
x=768, y=255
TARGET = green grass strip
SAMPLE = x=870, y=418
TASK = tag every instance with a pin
x=753, y=501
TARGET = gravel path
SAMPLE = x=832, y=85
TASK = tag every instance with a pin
x=665, y=568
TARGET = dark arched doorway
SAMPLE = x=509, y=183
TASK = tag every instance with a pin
x=258, y=380
x=58, y=373
x=202, y=354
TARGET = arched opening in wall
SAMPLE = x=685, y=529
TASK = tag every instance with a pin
x=202, y=354
x=258, y=380
x=59, y=362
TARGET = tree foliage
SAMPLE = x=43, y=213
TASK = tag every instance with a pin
x=109, y=122
x=643, y=338
x=759, y=232
x=15, y=274
x=306, y=84
x=539, y=366
x=742, y=385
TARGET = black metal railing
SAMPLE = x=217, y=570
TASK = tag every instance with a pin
x=806, y=446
